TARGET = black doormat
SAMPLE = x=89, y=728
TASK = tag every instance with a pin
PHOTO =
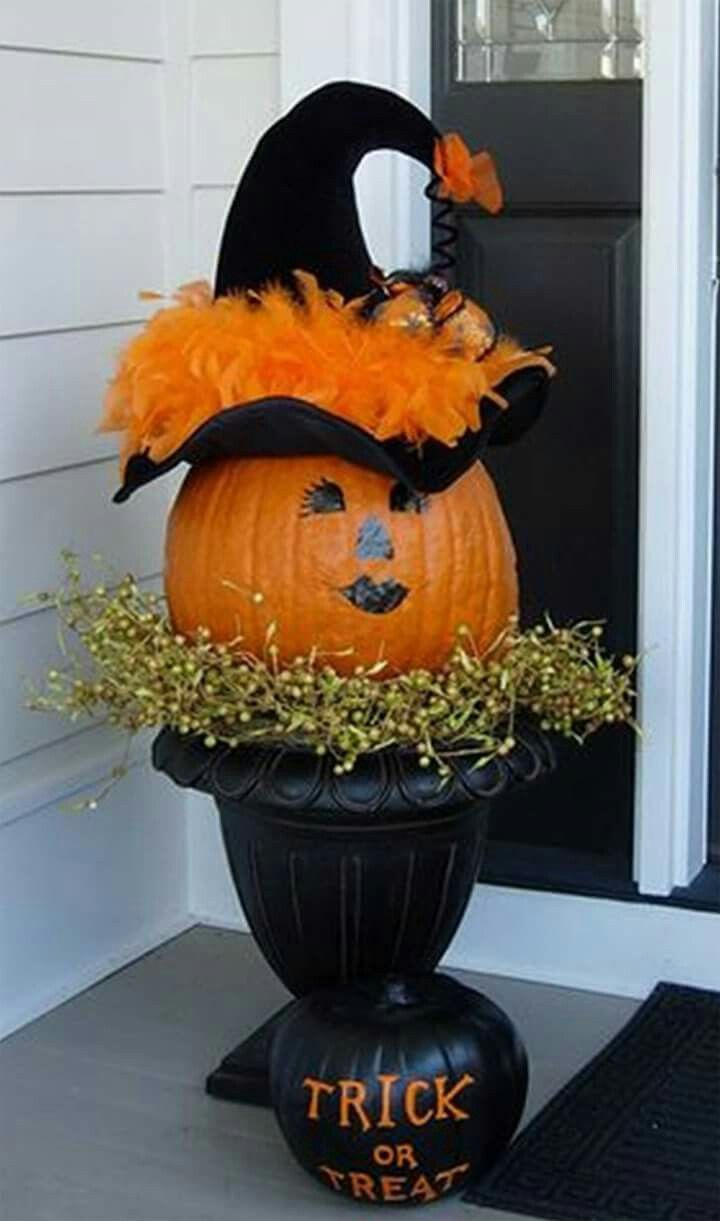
x=635, y=1136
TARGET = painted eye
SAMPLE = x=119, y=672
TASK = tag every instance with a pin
x=323, y=497
x=404, y=500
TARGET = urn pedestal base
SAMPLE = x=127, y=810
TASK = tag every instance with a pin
x=345, y=877
x=243, y=1075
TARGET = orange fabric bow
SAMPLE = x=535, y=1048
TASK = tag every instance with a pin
x=464, y=176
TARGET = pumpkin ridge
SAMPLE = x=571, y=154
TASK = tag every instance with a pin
x=457, y=574
x=490, y=609
x=497, y=610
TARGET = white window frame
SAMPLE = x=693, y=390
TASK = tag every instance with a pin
x=624, y=946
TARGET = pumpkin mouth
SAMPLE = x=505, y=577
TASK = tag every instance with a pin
x=375, y=597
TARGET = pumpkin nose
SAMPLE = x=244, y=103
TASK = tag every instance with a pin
x=373, y=541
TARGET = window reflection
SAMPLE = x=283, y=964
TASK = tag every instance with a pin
x=550, y=40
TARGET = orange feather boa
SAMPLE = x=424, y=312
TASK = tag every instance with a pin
x=201, y=355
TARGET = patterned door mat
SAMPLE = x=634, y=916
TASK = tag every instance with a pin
x=635, y=1136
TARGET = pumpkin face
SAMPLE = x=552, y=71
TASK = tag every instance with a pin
x=397, y=1091
x=342, y=559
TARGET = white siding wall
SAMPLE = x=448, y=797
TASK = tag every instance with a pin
x=126, y=124
x=234, y=68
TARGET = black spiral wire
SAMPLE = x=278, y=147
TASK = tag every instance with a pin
x=444, y=230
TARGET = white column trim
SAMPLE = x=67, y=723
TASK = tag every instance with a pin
x=677, y=415
x=599, y=945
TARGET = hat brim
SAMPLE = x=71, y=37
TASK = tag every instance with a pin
x=282, y=427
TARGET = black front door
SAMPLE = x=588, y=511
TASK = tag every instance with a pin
x=560, y=266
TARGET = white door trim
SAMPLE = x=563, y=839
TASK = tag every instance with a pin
x=599, y=945
x=677, y=416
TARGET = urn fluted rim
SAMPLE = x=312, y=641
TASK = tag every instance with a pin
x=386, y=786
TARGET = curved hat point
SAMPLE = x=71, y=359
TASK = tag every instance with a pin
x=296, y=196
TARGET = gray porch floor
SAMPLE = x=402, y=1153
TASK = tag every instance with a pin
x=103, y=1115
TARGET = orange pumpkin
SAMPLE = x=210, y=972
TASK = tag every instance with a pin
x=340, y=558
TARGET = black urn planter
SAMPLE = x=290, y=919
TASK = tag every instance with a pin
x=344, y=877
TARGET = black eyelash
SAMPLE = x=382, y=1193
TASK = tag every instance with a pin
x=404, y=500
x=323, y=497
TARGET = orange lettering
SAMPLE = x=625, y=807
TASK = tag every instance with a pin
x=405, y=1156
x=336, y=1177
x=450, y=1175
x=391, y=1186
x=387, y=1081
x=362, y=1185
x=423, y=1189
x=413, y=1089
x=384, y=1155
x=352, y=1097
x=445, y=1108
x=316, y=1088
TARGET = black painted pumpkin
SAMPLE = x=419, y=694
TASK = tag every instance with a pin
x=397, y=1091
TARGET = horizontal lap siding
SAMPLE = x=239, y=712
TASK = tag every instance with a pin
x=77, y=260
x=51, y=389
x=234, y=27
x=130, y=124
x=88, y=521
x=240, y=89
x=82, y=230
x=28, y=647
x=132, y=28
x=80, y=123
x=126, y=122
x=235, y=86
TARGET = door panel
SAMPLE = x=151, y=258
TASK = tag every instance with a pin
x=565, y=487
x=553, y=141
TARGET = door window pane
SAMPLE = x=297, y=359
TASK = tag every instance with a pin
x=550, y=40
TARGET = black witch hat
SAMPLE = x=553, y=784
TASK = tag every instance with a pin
x=295, y=208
